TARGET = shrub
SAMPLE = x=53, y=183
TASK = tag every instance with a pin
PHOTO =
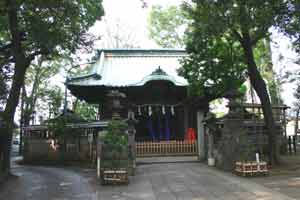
x=116, y=136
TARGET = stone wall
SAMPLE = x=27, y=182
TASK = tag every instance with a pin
x=42, y=150
x=240, y=140
x=229, y=146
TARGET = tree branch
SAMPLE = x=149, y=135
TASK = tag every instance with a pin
x=5, y=47
x=237, y=35
x=31, y=56
x=259, y=36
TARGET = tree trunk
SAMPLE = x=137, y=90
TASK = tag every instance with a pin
x=21, y=64
x=75, y=104
x=9, y=112
x=296, y=121
x=22, y=119
x=260, y=87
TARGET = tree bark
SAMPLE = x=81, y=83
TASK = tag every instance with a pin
x=296, y=121
x=22, y=119
x=260, y=87
x=21, y=64
x=9, y=112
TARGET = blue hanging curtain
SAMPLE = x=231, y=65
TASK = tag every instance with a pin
x=168, y=132
x=150, y=128
x=160, y=128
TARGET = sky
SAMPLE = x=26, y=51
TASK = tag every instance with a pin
x=133, y=16
x=282, y=46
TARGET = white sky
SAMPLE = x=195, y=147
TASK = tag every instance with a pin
x=134, y=15
x=281, y=45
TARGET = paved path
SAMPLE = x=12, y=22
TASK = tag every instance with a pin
x=169, y=181
x=287, y=184
x=43, y=183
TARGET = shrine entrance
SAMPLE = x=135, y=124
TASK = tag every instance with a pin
x=166, y=148
x=160, y=132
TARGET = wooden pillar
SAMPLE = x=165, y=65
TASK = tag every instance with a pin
x=99, y=152
x=99, y=114
x=185, y=118
x=200, y=135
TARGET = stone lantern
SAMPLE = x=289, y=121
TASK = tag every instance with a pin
x=115, y=97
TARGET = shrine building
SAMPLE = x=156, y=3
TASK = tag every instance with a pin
x=156, y=96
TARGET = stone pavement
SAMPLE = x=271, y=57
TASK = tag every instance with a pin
x=160, y=181
x=190, y=181
x=286, y=184
x=284, y=178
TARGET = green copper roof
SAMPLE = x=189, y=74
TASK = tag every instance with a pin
x=133, y=67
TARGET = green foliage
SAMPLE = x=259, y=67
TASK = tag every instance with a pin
x=59, y=126
x=4, y=80
x=85, y=110
x=288, y=22
x=54, y=97
x=297, y=94
x=214, y=65
x=33, y=28
x=116, y=137
x=296, y=103
x=263, y=58
x=222, y=37
x=52, y=26
x=36, y=92
x=46, y=27
x=221, y=42
x=165, y=31
x=167, y=26
x=115, y=149
x=243, y=89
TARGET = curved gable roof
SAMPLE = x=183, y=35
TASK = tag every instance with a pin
x=133, y=67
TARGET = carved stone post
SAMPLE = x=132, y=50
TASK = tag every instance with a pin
x=132, y=147
x=114, y=97
x=200, y=134
x=233, y=138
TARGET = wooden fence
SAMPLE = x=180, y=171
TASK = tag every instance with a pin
x=166, y=148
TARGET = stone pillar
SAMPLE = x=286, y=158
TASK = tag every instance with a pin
x=114, y=97
x=99, y=152
x=132, y=147
x=200, y=135
x=232, y=144
x=210, y=156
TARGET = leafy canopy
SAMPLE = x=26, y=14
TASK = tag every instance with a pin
x=49, y=26
x=167, y=26
x=222, y=37
x=52, y=99
x=214, y=65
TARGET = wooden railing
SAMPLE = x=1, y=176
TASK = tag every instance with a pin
x=166, y=148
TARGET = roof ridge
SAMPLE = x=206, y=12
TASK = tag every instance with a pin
x=125, y=51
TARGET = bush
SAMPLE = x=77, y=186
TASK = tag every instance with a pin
x=115, y=151
x=116, y=137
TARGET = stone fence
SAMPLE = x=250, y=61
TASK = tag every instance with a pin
x=241, y=134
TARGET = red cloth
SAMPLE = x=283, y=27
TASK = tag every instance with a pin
x=190, y=135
